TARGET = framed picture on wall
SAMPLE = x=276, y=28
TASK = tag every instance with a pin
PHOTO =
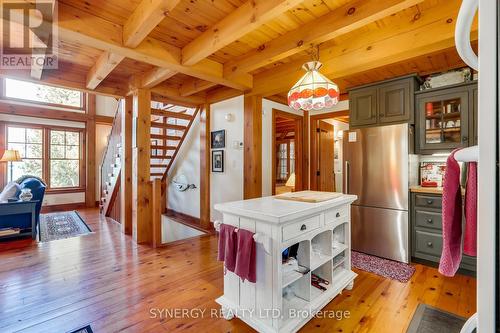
x=217, y=160
x=218, y=139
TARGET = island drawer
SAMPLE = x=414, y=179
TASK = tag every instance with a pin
x=429, y=243
x=298, y=228
x=336, y=214
x=428, y=219
x=428, y=201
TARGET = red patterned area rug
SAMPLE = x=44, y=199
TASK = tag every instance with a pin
x=390, y=269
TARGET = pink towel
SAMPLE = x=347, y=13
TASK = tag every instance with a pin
x=245, y=256
x=470, y=238
x=227, y=246
x=452, y=218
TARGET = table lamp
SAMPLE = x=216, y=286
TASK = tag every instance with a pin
x=291, y=181
x=11, y=155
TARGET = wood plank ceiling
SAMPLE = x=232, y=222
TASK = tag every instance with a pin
x=205, y=50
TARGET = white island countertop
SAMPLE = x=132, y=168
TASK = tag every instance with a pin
x=270, y=209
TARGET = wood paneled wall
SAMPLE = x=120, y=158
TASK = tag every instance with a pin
x=252, y=156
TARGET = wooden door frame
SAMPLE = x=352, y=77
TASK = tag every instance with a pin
x=313, y=125
x=299, y=146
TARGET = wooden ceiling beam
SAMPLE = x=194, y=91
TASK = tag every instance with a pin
x=173, y=95
x=246, y=18
x=147, y=15
x=86, y=29
x=398, y=41
x=155, y=77
x=143, y=20
x=102, y=68
x=45, y=37
x=342, y=20
x=222, y=93
x=193, y=86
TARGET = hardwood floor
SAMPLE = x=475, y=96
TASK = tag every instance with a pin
x=105, y=280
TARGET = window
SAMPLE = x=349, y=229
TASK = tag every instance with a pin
x=43, y=94
x=64, y=159
x=53, y=154
x=29, y=143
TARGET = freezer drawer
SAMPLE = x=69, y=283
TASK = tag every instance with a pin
x=380, y=232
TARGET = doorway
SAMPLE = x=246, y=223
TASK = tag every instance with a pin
x=287, y=148
x=326, y=150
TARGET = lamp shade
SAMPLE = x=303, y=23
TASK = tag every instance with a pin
x=11, y=156
x=291, y=180
x=313, y=91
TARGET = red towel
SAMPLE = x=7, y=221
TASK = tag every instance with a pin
x=470, y=238
x=245, y=256
x=452, y=218
x=227, y=246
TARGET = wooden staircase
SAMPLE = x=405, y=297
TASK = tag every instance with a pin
x=111, y=166
x=169, y=127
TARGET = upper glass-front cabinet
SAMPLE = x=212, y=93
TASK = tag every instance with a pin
x=443, y=119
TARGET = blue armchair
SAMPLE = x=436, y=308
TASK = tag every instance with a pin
x=23, y=221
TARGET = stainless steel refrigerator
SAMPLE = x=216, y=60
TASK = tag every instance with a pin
x=376, y=170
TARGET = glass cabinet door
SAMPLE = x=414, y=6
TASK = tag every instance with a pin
x=443, y=120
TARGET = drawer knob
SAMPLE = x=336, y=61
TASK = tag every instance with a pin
x=429, y=221
x=429, y=244
x=430, y=201
x=303, y=227
x=337, y=215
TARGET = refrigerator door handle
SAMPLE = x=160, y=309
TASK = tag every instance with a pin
x=347, y=171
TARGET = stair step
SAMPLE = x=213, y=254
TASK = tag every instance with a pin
x=163, y=147
x=156, y=173
x=159, y=165
x=168, y=126
x=170, y=114
x=166, y=137
x=161, y=156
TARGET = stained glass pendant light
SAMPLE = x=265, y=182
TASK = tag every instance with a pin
x=313, y=91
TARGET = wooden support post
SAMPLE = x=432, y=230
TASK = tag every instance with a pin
x=126, y=166
x=3, y=146
x=156, y=195
x=90, y=198
x=141, y=173
x=305, y=155
x=205, y=165
x=252, y=158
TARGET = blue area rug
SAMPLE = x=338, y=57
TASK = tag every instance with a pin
x=62, y=225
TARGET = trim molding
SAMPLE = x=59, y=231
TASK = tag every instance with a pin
x=189, y=220
x=63, y=207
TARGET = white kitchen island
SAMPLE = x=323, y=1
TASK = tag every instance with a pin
x=322, y=231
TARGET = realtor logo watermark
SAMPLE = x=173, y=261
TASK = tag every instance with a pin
x=29, y=31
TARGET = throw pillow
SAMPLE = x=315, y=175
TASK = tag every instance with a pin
x=10, y=191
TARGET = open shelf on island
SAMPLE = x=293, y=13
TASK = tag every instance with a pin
x=338, y=248
x=323, y=272
x=296, y=295
x=321, y=250
x=298, y=257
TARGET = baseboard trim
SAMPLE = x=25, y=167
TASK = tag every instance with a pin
x=63, y=207
x=190, y=221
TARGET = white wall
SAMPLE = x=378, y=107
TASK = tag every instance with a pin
x=187, y=163
x=228, y=186
x=267, y=119
x=105, y=105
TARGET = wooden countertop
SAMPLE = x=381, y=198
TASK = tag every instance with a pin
x=429, y=190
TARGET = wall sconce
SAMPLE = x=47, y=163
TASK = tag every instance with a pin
x=229, y=116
